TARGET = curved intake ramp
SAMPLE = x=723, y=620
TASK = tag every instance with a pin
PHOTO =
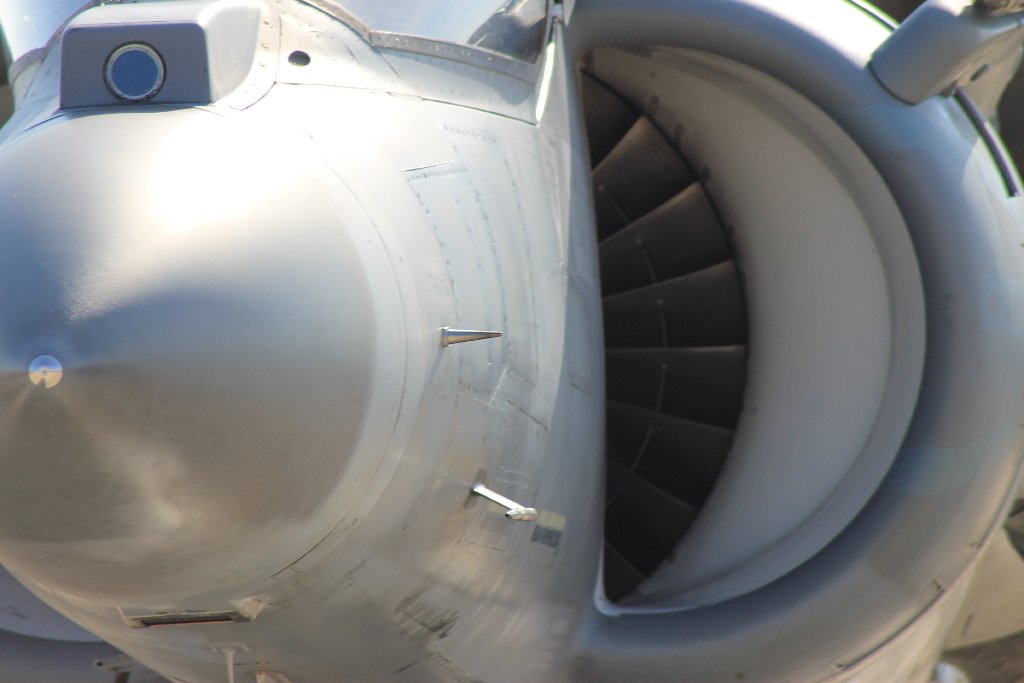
x=675, y=336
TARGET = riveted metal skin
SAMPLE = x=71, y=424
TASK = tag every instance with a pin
x=255, y=403
x=257, y=459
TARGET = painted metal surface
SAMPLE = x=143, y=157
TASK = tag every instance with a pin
x=241, y=452
x=28, y=26
x=948, y=45
x=446, y=240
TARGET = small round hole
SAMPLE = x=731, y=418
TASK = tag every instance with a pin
x=298, y=58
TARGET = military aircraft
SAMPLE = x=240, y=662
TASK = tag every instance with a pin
x=487, y=340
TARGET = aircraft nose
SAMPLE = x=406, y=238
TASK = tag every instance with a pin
x=187, y=344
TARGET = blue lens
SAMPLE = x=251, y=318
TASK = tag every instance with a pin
x=135, y=73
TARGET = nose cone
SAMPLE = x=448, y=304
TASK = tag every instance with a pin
x=186, y=350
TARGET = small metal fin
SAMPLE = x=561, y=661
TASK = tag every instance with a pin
x=514, y=510
x=450, y=336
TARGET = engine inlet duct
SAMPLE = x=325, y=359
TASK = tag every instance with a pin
x=675, y=335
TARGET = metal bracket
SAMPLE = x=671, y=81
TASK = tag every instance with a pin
x=949, y=44
x=514, y=510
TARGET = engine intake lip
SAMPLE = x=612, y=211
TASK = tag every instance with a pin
x=785, y=350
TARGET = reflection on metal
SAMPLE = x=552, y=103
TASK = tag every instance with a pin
x=466, y=54
x=29, y=25
x=545, y=81
x=514, y=29
x=450, y=336
x=229, y=661
x=515, y=511
x=947, y=673
x=46, y=371
x=271, y=677
x=995, y=147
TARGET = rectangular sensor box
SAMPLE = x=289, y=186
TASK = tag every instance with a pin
x=188, y=52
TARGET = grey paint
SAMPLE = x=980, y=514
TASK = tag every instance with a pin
x=256, y=415
x=947, y=44
x=397, y=584
x=208, y=48
x=891, y=565
x=29, y=26
x=836, y=319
